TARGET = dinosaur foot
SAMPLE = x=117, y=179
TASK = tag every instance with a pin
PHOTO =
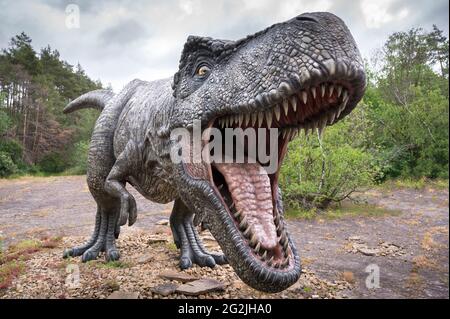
x=102, y=240
x=192, y=250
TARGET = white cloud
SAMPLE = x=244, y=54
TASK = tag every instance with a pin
x=376, y=13
x=121, y=40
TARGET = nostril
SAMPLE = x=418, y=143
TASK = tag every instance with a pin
x=306, y=18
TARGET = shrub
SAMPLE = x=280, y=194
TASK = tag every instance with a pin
x=317, y=172
x=7, y=166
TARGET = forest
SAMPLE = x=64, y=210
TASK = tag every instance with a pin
x=399, y=129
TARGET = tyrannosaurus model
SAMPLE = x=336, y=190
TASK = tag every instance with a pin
x=304, y=73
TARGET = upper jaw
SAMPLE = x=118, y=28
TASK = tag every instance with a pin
x=344, y=77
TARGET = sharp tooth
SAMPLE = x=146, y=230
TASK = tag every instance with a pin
x=344, y=96
x=277, y=112
x=243, y=223
x=269, y=118
x=285, y=262
x=254, y=118
x=258, y=246
x=230, y=121
x=264, y=256
x=247, y=232
x=313, y=91
x=322, y=90
x=331, y=88
x=322, y=124
x=283, y=133
x=270, y=261
x=220, y=187
x=247, y=119
x=276, y=219
x=294, y=103
x=304, y=97
x=237, y=214
x=339, y=90
x=260, y=118
x=253, y=240
x=240, y=119
x=286, y=106
x=236, y=119
x=286, y=245
x=331, y=117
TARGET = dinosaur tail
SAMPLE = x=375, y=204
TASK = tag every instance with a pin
x=95, y=99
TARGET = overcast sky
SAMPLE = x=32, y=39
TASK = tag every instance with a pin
x=117, y=41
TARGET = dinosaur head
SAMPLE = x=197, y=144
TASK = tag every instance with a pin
x=304, y=73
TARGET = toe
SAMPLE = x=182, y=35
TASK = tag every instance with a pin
x=112, y=255
x=185, y=263
x=89, y=255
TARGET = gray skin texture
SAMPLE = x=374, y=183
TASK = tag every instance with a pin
x=131, y=141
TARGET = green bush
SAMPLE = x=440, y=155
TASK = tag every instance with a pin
x=7, y=166
x=317, y=173
x=52, y=163
x=79, y=158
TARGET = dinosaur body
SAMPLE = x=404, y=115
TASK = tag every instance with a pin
x=305, y=73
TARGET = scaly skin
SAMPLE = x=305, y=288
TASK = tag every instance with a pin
x=308, y=66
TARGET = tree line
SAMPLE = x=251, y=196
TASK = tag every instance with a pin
x=399, y=129
x=34, y=87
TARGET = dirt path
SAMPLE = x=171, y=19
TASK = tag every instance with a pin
x=409, y=250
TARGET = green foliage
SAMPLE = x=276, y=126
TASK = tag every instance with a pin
x=317, y=172
x=7, y=166
x=52, y=163
x=79, y=159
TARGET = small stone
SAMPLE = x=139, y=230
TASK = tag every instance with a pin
x=354, y=238
x=164, y=289
x=315, y=296
x=123, y=295
x=163, y=222
x=144, y=259
x=367, y=251
x=177, y=276
x=201, y=286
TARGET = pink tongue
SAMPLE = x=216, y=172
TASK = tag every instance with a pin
x=250, y=189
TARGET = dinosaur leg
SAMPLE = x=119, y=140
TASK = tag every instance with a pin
x=79, y=250
x=188, y=241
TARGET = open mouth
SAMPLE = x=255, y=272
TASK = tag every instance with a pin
x=247, y=191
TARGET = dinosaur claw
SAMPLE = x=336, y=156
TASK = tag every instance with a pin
x=185, y=263
x=89, y=255
x=112, y=255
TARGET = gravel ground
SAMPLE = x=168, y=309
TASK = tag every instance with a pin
x=410, y=249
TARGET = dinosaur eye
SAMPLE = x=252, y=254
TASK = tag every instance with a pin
x=203, y=70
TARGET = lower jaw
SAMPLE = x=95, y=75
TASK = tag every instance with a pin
x=251, y=270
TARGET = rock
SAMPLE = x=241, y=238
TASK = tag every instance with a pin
x=201, y=286
x=157, y=239
x=177, y=276
x=165, y=289
x=315, y=296
x=123, y=295
x=143, y=259
x=348, y=277
x=367, y=251
x=163, y=222
x=354, y=238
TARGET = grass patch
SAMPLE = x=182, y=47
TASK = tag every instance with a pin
x=172, y=247
x=9, y=271
x=12, y=260
x=345, y=209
